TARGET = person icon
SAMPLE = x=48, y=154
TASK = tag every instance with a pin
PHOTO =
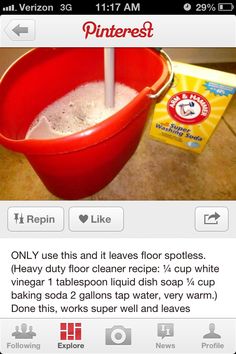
x=31, y=333
x=23, y=334
x=17, y=333
x=212, y=333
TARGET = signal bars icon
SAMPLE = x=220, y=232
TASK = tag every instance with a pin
x=9, y=8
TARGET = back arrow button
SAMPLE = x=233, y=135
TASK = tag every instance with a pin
x=21, y=30
x=18, y=30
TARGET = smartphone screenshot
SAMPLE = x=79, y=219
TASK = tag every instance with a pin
x=117, y=177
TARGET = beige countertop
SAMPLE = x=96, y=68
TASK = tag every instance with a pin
x=155, y=172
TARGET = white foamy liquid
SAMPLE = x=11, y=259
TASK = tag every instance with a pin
x=78, y=110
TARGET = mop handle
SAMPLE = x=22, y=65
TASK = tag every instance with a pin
x=109, y=77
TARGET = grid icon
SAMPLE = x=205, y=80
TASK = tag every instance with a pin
x=70, y=331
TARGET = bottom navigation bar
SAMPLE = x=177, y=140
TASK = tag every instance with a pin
x=117, y=335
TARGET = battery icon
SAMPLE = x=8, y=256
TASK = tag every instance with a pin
x=225, y=6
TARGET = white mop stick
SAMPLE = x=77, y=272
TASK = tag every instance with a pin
x=109, y=77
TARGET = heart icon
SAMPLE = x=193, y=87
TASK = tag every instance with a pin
x=83, y=218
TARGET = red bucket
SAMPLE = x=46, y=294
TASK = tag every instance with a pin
x=80, y=164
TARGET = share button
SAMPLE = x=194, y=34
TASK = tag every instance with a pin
x=212, y=219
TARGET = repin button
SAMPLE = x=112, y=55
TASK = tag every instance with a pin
x=35, y=219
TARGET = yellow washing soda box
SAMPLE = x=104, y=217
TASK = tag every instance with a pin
x=190, y=111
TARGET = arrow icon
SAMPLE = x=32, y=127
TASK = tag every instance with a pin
x=21, y=30
x=214, y=216
x=18, y=30
x=208, y=218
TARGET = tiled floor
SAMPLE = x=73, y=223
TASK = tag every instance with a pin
x=156, y=171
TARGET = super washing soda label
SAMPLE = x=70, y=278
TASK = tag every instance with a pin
x=192, y=108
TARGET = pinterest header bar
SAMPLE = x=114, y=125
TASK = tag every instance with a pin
x=118, y=31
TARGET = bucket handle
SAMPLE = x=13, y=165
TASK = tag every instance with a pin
x=156, y=95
